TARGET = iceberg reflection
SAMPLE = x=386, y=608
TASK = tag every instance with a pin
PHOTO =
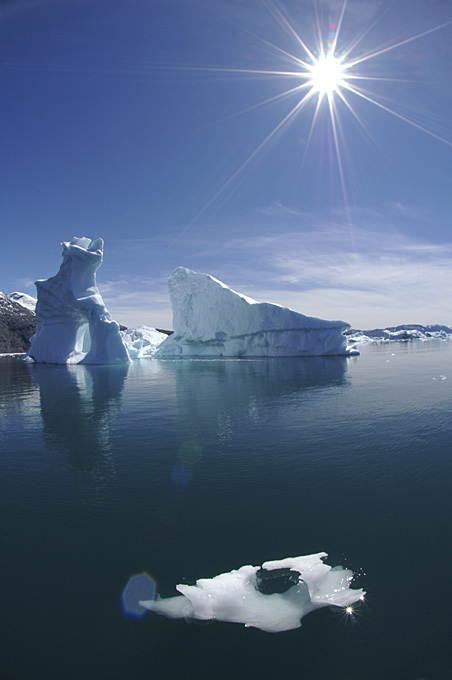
x=303, y=584
x=78, y=406
x=216, y=399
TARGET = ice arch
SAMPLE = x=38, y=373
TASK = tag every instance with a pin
x=72, y=323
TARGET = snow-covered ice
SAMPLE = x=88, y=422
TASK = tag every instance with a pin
x=143, y=341
x=72, y=323
x=210, y=319
x=238, y=597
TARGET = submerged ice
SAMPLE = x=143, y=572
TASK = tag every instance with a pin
x=210, y=319
x=248, y=596
x=72, y=323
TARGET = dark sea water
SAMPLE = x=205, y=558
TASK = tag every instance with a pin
x=188, y=469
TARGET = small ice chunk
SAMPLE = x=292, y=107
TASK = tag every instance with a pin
x=238, y=597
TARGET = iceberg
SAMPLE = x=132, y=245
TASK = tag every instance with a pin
x=72, y=323
x=210, y=319
x=403, y=334
x=273, y=597
x=143, y=341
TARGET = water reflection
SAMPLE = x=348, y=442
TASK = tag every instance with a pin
x=78, y=406
x=19, y=400
x=16, y=384
x=215, y=398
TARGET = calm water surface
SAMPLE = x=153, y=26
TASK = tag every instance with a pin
x=187, y=469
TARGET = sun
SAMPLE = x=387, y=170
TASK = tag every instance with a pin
x=325, y=78
x=327, y=75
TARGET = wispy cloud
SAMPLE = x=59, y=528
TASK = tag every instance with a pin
x=372, y=275
x=26, y=284
x=371, y=271
x=136, y=301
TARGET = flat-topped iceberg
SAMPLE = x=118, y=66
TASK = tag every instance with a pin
x=72, y=323
x=274, y=597
x=210, y=319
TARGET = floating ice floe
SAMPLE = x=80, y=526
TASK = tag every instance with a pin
x=72, y=323
x=273, y=597
x=210, y=319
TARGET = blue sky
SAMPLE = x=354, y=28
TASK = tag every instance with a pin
x=158, y=125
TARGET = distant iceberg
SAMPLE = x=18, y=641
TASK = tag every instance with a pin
x=210, y=319
x=72, y=323
x=403, y=333
x=143, y=341
x=274, y=597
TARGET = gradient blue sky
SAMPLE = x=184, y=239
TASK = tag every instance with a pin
x=120, y=120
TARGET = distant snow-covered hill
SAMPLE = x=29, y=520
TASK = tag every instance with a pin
x=23, y=299
x=17, y=325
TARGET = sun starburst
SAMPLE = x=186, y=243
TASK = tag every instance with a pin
x=323, y=78
x=327, y=75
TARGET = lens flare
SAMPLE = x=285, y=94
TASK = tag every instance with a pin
x=139, y=587
x=190, y=453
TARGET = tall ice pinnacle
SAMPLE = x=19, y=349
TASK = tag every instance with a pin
x=72, y=323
